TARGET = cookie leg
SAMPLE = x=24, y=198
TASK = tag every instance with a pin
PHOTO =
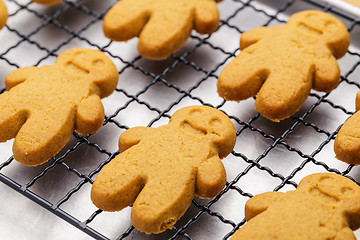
x=166, y=31
x=42, y=136
x=347, y=141
x=164, y=199
x=117, y=185
x=284, y=92
x=11, y=118
x=242, y=78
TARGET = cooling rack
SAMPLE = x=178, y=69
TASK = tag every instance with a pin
x=268, y=156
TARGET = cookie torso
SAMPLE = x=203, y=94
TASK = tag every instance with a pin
x=161, y=169
x=281, y=64
x=295, y=217
x=43, y=106
x=324, y=206
x=162, y=26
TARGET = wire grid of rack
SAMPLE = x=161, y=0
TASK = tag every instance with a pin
x=268, y=156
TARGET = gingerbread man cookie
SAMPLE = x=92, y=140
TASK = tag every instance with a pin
x=47, y=2
x=347, y=141
x=159, y=170
x=3, y=14
x=324, y=206
x=43, y=106
x=282, y=64
x=162, y=26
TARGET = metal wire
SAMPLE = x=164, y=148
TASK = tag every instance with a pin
x=55, y=20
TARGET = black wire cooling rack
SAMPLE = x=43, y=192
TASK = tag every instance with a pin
x=268, y=156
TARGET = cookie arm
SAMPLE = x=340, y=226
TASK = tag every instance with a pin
x=352, y=212
x=260, y=203
x=89, y=115
x=327, y=74
x=133, y=136
x=126, y=19
x=250, y=37
x=347, y=144
x=206, y=17
x=18, y=76
x=211, y=178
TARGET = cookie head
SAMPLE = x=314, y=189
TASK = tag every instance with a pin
x=209, y=123
x=323, y=27
x=329, y=188
x=90, y=64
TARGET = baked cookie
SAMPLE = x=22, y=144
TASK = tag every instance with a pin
x=324, y=206
x=47, y=2
x=43, y=106
x=347, y=141
x=3, y=14
x=282, y=64
x=160, y=169
x=356, y=3
x=162, y=26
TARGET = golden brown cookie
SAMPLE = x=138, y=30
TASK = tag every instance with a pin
x=43, y=106
x=280, y=65
x=47, y=2
x=162, y=26
x=347, y=141
x=3, y=14
x=159, y=170
x=354, y=2
x=324, y=206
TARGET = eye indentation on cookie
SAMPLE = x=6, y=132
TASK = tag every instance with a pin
x=79, y=54
x=75, y=68
x=195, y=112
x=309, y=29
x=330, y=25
x=347, y=191
x=323, y=197
x=190, y=129
x=215, y=122
x=98, y=63
x=324, y=179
